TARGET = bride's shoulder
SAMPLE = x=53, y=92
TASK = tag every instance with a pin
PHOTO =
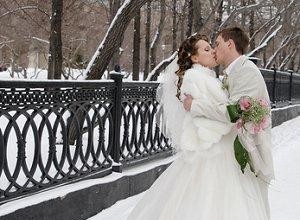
x=199, y=75
x=192, y=73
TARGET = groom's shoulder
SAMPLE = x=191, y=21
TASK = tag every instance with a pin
x=249, y=67
x=249, y=64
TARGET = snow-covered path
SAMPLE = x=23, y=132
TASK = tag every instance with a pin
x=284, y=192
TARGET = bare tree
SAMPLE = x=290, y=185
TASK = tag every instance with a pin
x=240, y=10
x=160, y=67
x=214, y=8
x=158, y=34
x=284, y=43
x=218, y=20
x=147, y=40
x=55, y=50
x=198, y=18
x=114, y=5
x=291, y=56
x=252, y=26
x=136, y=47
x=190, y=18
x=243, y=14
x=182, y=21
x=174, y=25
x=112, y=39
x=266, y=39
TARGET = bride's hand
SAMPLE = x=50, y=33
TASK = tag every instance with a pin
x=187, y=102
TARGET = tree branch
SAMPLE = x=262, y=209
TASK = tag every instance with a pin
x=241, y=10
x=113, y=37
x=22, y=9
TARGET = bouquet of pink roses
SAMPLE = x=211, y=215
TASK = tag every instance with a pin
x=249, y=115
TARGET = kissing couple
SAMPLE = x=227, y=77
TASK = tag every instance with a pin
x=224, y=167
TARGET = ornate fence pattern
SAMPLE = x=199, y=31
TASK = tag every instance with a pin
x=282, y=86
x=54, y=132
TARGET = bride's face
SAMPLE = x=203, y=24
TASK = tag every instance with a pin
x=204, y=55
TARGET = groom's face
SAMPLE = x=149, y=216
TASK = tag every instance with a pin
x=221, y=50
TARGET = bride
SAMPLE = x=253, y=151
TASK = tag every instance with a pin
x=205, y=182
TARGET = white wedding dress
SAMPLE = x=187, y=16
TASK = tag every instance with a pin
x=205, y=182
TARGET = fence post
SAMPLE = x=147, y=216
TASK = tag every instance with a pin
x=291, y=87
x=115, y=152
x=274, y=87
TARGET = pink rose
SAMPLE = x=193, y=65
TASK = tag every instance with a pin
x=257, y=129
x=263, y=103
x=245, y=104
x=239, y=124
x=264, y=123
x=252, y=128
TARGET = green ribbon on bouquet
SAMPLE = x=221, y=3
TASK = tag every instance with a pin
x=234, y=112
x=240, y=153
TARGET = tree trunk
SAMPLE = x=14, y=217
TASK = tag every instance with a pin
x=112, y=39
x=243, y=19
x=136, y=47
x=228, y=8
x=55, y=49
x=190, y=18
x=264, y=57
x=158, y=34
x=182, y=21
x=114, y=5
x=147, y=41
x=160, y=67
x=252, y=27
x=298, y=67
x=174, y=26
x=218, y=21
x=198, y=19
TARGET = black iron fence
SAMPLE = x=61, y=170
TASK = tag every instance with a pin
x=283, y=87
x=56, y=132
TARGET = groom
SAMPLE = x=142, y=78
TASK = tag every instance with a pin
x=241, y=78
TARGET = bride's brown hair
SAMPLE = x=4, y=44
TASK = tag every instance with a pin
x=186, y=50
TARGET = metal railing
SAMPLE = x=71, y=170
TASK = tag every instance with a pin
x=283, y=87
x=56, y=132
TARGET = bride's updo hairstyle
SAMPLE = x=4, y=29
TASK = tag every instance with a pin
x=186, y=50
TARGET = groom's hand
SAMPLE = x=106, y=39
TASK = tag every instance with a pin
x=187, y=102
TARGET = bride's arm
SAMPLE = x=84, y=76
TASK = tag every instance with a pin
x=214, y=107
x=219, y=111
x=208, y=100
x=192, y=85
x=214, y=111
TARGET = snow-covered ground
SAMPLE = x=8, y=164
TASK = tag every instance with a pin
x=74, y=74
x=284, y=192
x=41, y=74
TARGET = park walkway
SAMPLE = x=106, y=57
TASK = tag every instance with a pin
x=284, y=192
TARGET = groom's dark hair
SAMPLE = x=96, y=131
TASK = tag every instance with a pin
x=239, y=37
